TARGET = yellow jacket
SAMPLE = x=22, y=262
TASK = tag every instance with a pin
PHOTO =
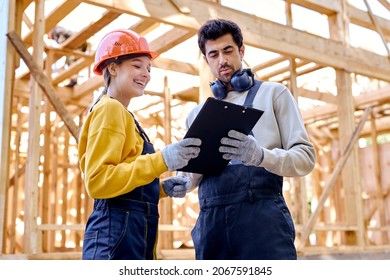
x=110, y=152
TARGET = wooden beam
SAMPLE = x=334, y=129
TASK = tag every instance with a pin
x=175, y=65
x=44, y=83
x=189, y=95
x=170, y=39
x=62, y=10
x=144, y=26
x=31, y=237
x=377, y=27
x=73, y=69
x=79, y=38
x=282, y=70
x=7, y=59
x=262, y=34
x=317, y=95
x=327, y=7
x=269, y=63
x=362, y=18
x=356, y=16
x=385, y=3
x=380, y=197
x=373, y=98
x=350, y=176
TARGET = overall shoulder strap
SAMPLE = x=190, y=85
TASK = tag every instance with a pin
x=251, y=96
x=252, y=93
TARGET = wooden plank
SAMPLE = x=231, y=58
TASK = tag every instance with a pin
x=166, y=242
x=377, y=27
x=31, y=237
x=374, y=98
x=356, y=16
x=54, y=227
x=380, y=205
x=269, y=63
x=59, y=13
x=47, y=153
x=317, y=95
x=327, y=7
x=175, y=65
x=56, y=256
x=362, y=18
x=385, y=3
x=15, y=182
x=176, y=254
x=144, y=26
x=171, y=227
x=170, y=39
x=83, y=35
x=350, y=173
x=7, y=60
x=44, y=83
x=73, y=69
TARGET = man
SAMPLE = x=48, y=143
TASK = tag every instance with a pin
x=243, y=214
x=60, y=35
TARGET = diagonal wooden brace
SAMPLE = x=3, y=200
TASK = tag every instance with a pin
x=44, y=83
x=328, y=188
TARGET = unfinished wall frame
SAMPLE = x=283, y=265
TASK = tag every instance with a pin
x=342, y=206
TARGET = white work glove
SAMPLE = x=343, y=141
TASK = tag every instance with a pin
x=176, y=186
x=239, y=146
x=177, y=155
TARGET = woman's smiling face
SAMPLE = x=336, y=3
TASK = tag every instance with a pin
x=132, y=76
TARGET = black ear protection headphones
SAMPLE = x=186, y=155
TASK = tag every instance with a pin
x=241, y=81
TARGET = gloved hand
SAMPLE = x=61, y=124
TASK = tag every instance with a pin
x=176, y=186
x=178, y=154
x=239, y=146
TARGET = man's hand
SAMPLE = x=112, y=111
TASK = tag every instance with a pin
x=239, y=146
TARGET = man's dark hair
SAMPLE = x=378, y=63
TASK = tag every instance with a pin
x=215, y=28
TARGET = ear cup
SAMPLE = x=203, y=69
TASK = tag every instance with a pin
x=218, y=88
x=242, y=80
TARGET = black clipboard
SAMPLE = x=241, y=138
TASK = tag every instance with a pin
x=214, y=121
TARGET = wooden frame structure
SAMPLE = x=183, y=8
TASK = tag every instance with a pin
x=342, y=206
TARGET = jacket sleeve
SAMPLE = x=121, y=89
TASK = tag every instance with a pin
x=296, y=155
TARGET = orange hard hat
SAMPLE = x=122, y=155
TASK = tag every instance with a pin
x=117, y=43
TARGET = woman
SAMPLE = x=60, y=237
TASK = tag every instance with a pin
x=119, y=164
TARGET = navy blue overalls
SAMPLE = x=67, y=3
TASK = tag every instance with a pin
x=125, y=227
x=243, y=214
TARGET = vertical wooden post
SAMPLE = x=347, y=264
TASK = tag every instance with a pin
x=353, y=207
x=65, y=185
x=54, y=188
x=299, y=183
x=166, y=240
x=47, y=157
x=31, y=236
x=7, y=55
x=16, y=183
x=380, y=198
x=350, y=174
